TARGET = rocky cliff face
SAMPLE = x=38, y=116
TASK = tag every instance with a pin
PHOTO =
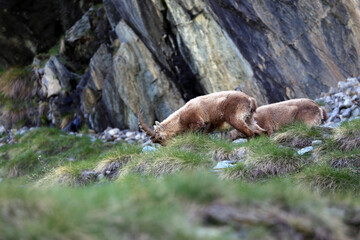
x=155, y=55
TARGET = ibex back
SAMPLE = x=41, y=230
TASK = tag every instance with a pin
x=273, y=116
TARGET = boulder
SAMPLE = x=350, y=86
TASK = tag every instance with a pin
x=80, y=28
x=56, y=78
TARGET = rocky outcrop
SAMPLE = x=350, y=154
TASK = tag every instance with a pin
x=156, y=55
x=84, y=38
x=31, y=27
x=210, y=53
x=295, y=48
x=140, y=80
x=270, y=51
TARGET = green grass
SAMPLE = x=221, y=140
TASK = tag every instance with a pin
x=265, y=158
x=43, y=149
x=326, y=178
x=298, y=135
x=51, y=189
x=185, y=152
x=347, y=136
x=330, y=153
x=55, y=49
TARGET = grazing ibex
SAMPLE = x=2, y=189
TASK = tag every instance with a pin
x=215, y=111
x=274, y=116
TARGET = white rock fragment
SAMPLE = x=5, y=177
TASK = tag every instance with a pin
x=149, y=149
x=240, y=141
x=225, y=164
x=316, y=142
x=130, y=134
x=305, y=150
x=114, y=131
x=2, y=130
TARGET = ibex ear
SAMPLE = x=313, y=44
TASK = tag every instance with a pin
x=159, y=125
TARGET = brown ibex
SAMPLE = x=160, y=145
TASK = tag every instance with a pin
x=215, y=111
x=274, y=116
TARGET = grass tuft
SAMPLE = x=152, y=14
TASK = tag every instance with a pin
x=166, y=161
x=265, y=158
x=298, y=135
x=336, y=156
x=347, y=136
x=41, y=150
x=112, y=162
x=16, y=83
x=325, y=178
x=18, y=96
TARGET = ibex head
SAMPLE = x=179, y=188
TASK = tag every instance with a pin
x=158, y=135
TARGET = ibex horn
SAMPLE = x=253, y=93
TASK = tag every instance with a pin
x=145, y=127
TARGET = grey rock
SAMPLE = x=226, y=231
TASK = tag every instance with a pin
x=240, y=141
x=56, y=77
x=347, y=103
x=220, y=68
x=79, y=29
x=316, y=142
x=305, y=150
x=342, y=85
x=140, y=81
x=355, y=98
x=346, y=113
x=22, y=131
x=356, y=111
x=149, y=149
x=100, y=67
x=2, y=130
x=225, y=164
x=148, y=143
x=354, y=81
x=130, y=134
x=332, y=125
x=114, y=131
x=333, y=114
x=337, y=119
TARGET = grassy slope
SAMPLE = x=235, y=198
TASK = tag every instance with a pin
x=173, y=194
